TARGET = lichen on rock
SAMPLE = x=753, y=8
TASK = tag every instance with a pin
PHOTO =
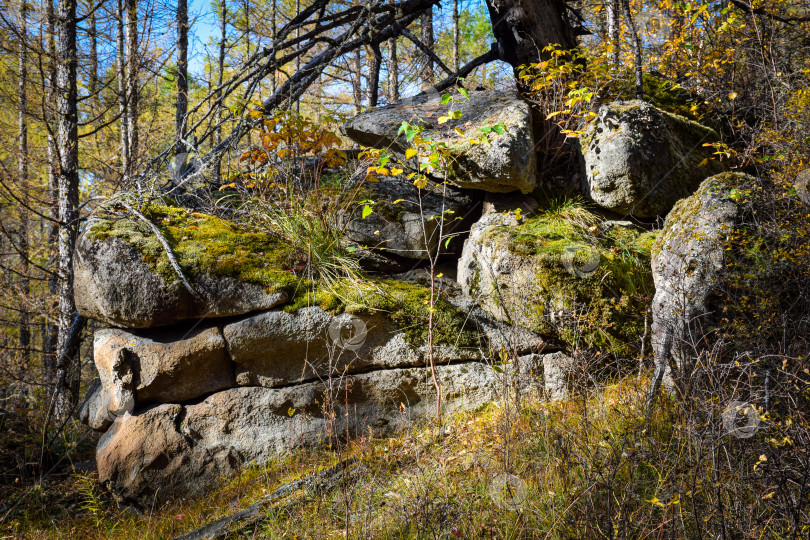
x=561, y=275
x=640, y=160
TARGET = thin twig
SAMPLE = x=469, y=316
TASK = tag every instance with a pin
x=166, y=247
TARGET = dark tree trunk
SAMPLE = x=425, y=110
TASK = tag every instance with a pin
x=223, y=35
x=182, y=78
x=121, y=63
x=133, y=90
x=22, y=183
x=523, y=28
x=67, y=179
x=374, y=76
x=456, y=52
x=92, y=34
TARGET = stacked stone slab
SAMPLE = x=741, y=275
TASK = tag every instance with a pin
x=185, y=399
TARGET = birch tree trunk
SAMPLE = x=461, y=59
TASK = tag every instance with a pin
x=357, y=83
x=428, y=77
x=123, y=110
x=613, y=31
x=273, y=37
x=393, y=72
x=67, y=179
x=51, y=329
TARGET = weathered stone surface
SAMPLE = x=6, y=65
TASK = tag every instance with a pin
x=179, y=451
x=557, y=278
x=557, y=370
x=160, y=366
x=94, y=411
x=640, y=160
x=277, y=348
x=689, y=261
x=506, y=164
x=411, y=227
x=115, y=286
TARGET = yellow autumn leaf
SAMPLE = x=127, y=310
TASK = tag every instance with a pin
x=395, y=170
x=410, y=152
x=732, y=96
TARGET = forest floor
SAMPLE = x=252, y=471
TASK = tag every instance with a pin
x=502, y=472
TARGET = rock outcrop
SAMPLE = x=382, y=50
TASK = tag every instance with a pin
x=558, y=278
x=506, y=163
x=640, y=160
x=689, y=262
x=262, y=357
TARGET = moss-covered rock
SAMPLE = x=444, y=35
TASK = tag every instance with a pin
x=640, y=160
x=731, y=265
x=405, y=303
x=561, y=274
x=123, y=276
x=203, y=244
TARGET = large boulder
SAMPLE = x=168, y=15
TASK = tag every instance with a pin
x=160, y=366
x=640, y=160
x=177, y=450
x=506, y=163
x=123, y=276
x=689, y=264
x=561, y=274
x=407, y=221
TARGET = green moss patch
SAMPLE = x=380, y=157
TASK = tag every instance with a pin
x=407, y=304
x=609, y=302
x=204, y=244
